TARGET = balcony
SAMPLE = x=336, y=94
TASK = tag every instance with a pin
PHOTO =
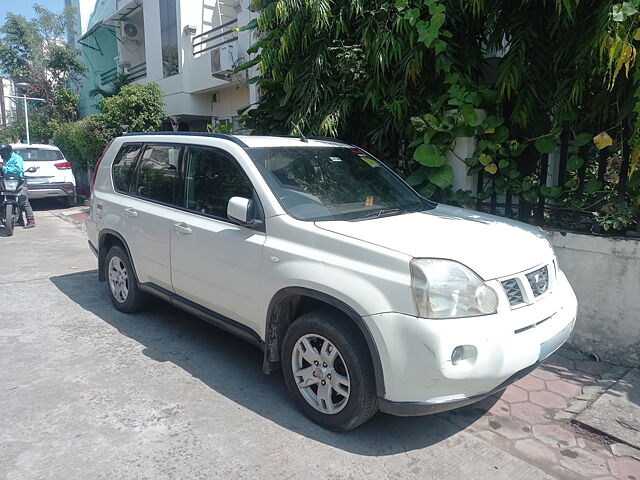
x=216, y=37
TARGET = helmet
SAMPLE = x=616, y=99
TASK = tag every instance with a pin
x=5, y=150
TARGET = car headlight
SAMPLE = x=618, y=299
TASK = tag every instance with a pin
x=11, y=185
x=448, y=289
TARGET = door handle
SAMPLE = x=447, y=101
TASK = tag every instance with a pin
x=182, y=228
x=130, y=212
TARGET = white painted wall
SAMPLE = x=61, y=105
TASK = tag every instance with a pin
x=189, y=93
x=605, y=274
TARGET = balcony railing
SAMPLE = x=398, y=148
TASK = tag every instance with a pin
x=220, y=35
x=108, y=76
x=137, y=71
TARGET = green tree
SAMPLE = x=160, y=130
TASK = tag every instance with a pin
x=33, y=51
x=140, y=107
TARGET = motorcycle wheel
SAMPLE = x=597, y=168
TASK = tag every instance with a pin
x=9, y=219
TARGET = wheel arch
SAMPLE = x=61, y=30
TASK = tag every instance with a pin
x=289, y=303
x=106, y=240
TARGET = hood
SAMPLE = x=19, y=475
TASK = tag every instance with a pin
x=491, y=246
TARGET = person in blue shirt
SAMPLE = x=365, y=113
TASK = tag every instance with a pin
x=13, y=163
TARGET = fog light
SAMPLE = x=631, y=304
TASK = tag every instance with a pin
x=457, y=355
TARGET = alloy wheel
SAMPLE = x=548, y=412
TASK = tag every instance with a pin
x=118, y=279
x=320, y=374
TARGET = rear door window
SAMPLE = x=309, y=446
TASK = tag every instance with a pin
x=124, y=166
x=158, y=169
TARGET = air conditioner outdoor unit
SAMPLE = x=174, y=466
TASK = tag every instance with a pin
x=131, y=31
x=223, y=60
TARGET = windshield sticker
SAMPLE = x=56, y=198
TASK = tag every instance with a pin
x=335, y=159
x=369, y=201
x=369, y=160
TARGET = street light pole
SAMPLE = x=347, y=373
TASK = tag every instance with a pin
x=26, y=117
x=24, y=98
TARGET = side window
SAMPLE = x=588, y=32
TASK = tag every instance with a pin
x=158, y=172
x=213, y=177
x=124, y=166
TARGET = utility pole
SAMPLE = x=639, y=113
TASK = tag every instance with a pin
x=3, y=114
x=24, y=98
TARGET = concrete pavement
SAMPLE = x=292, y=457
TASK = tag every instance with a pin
x=89, y=392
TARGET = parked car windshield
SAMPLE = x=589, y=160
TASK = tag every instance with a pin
x=334, y=183
x=38, y=154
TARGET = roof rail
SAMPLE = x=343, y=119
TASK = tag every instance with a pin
x=231, y=138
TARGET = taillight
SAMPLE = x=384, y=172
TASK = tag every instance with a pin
x=63, y=165
x=97, y=165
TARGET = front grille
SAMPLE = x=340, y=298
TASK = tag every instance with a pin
x=513, y=291
x=539, y=281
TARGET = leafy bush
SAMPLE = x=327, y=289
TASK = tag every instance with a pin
x=140, y=107
x=83, y=141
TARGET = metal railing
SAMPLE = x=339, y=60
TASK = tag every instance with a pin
x=220, y=35
x=108, y=76
x=137, y=71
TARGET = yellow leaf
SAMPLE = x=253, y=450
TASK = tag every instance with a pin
x=485, y=159
x=491, y=168
x=490, y=130
x=602, y=140
x=635, y=156
x=636, y=36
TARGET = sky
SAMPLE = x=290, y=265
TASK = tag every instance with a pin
x=25, y=7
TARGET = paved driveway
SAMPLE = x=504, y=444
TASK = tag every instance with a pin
x=88, y=392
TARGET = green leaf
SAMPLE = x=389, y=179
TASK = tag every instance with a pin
x=416, y=142
x=417, y=177
x=463, y=131
x=469, y=114
x=527, y=185
x=574, y=162
x=503, y=163
x=492, y=122
x=516, y=148
x=419, y=124
x=428, y=156
x=592, y=186
x=571, y=183
x=442, y=176
x=530, y=195
x=550, y=192
x=546, y=144
x=514, y=173
x=500, y=134
x=428, y=190
x=583, y=139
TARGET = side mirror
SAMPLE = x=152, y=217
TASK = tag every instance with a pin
x=31, y=170
x=238, y=210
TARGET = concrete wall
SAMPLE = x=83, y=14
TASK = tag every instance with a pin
x=605, y=274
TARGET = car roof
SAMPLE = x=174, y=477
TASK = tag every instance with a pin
x=41, y=146
x=247, y=141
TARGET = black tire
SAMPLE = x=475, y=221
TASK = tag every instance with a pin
x=136, y=299
x=70, y=201
x=9, y=220
x=340, y=331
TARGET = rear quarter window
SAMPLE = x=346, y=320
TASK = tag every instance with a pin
x=39, y=154
x=123, y=167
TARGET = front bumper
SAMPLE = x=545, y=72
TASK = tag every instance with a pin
x=45, y=190
x=419, y=376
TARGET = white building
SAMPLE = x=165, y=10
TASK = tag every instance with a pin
x=8, y=108
x=188, y=47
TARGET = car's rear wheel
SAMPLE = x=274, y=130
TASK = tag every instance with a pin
x=328, y=370
x=122, y=285
x=70, y=201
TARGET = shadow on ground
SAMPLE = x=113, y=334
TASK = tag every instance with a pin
x=233, y=368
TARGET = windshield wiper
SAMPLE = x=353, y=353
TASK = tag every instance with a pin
x=383, y=212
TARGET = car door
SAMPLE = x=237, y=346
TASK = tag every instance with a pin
x=214, y=262
x=148, y=212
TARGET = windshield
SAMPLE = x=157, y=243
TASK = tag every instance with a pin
x=334, y=183
x=38, y=154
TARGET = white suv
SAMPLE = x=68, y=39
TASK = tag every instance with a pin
x=367, y=295
x=52, y=176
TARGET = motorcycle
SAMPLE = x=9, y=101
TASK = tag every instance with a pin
x=10, y=199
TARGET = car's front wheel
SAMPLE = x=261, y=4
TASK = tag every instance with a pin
x=123, y=288
x=328, y=370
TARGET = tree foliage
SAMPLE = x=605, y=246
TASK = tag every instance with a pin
x=407, y=78
x=34, y=51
